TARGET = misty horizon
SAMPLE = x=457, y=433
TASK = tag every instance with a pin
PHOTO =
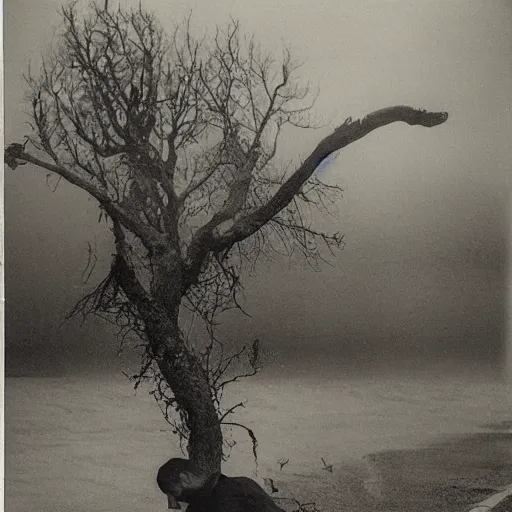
x=422, y=279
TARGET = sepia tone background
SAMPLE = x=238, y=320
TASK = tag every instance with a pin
x=420, y=285
x=398, y=346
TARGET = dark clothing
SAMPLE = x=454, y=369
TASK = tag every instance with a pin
x=231, y=494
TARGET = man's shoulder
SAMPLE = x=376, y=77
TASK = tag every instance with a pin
x=239, y=482
x=235, y=494
x=243, y=480
x=240, y=493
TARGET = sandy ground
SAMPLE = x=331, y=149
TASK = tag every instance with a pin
x=394, y=443
x=447, y=476
x=504, y=506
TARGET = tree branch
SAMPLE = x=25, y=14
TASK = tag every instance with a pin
x=342, y=136
x=148, y=235
x=126, y=277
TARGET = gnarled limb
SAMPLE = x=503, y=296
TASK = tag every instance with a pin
x=146, y=233
x=350, y=131
x=341, y=137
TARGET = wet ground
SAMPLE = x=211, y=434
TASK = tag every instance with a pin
x=448, y=476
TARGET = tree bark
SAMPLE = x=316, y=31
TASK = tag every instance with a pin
x=184, y=374
x=178, y=364
x=189, y=384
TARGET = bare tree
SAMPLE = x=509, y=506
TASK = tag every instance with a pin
x=176, y=137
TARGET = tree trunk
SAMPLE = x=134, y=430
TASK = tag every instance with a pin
x=184, y=374
x=179, y=366
x=189, y=385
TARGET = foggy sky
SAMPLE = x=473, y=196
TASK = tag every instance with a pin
x=422, y=277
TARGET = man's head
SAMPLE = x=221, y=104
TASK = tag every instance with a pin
x=179, y=479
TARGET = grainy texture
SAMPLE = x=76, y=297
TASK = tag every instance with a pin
x=504, y=506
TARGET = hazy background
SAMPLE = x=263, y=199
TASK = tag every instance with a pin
x=421, y=281
x=419, y=288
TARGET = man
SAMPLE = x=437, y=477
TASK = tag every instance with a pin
x=182, y=480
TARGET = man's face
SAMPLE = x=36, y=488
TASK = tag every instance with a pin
x=177, y=483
